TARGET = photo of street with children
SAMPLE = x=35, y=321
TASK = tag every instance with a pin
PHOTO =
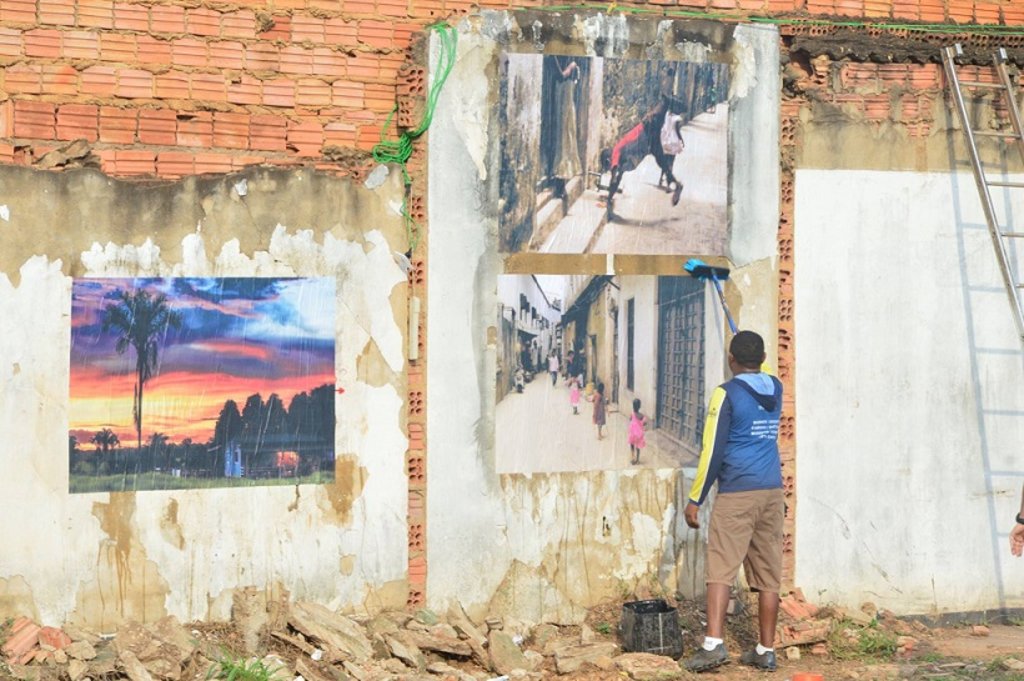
x=613, y=155
x=601, y=372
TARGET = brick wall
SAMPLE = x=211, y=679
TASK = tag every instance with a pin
x=175, y=88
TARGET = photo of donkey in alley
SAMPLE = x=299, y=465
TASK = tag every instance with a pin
x=613, y=155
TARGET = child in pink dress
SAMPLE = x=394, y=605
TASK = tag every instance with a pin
x=574, y=394
x=637, y=424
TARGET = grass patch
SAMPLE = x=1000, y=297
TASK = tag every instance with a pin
x=153, y=481
x=850, y=642
x=230, y=668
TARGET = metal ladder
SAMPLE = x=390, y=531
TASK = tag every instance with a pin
x=1000, y=237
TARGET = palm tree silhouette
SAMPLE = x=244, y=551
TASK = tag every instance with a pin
x=138, y=319
x=105, y=439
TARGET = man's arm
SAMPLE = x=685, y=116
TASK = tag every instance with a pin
x=1017, y=533
x=716, y=435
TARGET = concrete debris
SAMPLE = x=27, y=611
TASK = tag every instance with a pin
x=74, y=154
x=647, y=667
x=319, y=644
x=980, y=630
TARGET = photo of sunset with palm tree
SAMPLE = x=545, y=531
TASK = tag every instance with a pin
x=201, y=382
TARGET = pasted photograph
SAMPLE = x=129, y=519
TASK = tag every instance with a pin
x=602, y=372
x=201, y=382
x=613, y=155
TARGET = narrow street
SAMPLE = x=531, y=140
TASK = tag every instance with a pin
x=645, y=221
x=537, y=432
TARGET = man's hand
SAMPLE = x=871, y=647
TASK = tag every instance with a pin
x=1016, y=538
x=692, y=509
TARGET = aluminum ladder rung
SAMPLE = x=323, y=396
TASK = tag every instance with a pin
x=975, y=83
x=1011, y=284
x=1002, y=135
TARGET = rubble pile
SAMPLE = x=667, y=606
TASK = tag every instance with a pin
x=313, y=643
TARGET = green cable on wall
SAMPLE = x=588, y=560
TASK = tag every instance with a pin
x=398, y=151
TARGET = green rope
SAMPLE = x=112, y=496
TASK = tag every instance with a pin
x=398, y=151
x=957, y=29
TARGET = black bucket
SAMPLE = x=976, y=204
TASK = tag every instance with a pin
x=651, y=627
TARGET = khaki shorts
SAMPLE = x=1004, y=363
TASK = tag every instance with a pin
x=746, y=527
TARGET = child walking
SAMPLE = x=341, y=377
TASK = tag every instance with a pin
x=637, y=424
x=598, y=400
x=574, y=394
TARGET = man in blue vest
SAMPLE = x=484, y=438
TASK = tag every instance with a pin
x=740, y=452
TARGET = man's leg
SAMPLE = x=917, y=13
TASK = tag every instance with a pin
x=718, y=603
x=767, y=617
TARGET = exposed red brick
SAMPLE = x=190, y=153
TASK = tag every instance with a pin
x=54, y=637
x=340, y=134
x=231, y=130
x=279, y=92
x=241, y=24
x=153, y=50
x=167, y=19
x=60, y=79
x=10, y=42
x=171, y=85
x=34, y=119
x=42, y=42
x=279, y=29
x=986, y=12
x=404, y=34
x=312, y=92
x=118, y=47
x=1013, y=15
x=262, y=57
x=174, y=164
x=367, y=137
x=130, y=16
x=328, y=63
x=134, y=162
x=238, y=161
x=7, y=153
x=906, y=9
x=305, y=138
x=189, y=52
x=227, y=54
x=80, y=45
x=209, y=87
x=59, y=12
x=378, y=34
x=393, y=8
x=24, y=78
x=961, y=11
x=117, y=126
x=306, y=27
x=296, y=61
x=203, y=22
x=364, y=67
x=96, y=13
x=134, y=84
x=340, y=32
x=213, y=163
x=925, y=75
x=328, y=5
x=158, y=126
x=6, y=118
x=99, y=81
x=268, y=133
x=18, y=12
x=195, y=129
x=245, y=90
x=380, y=98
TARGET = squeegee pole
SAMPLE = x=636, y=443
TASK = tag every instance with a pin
x=721, y=297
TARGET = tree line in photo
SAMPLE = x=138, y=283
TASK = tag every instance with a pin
x=261, y=429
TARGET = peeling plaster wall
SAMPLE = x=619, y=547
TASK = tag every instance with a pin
x=544, y=547
x=909, y=375
x=96, y=559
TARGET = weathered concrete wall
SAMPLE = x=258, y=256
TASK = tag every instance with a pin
x=909, y=407
x=543, y=547
x=96, y=559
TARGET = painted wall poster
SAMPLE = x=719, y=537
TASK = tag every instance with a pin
x=602, y=372
x=201, y=382
x=613, y=155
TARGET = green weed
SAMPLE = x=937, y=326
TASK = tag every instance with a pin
x=230, y=668
x=847, y=641
x=603, y=628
